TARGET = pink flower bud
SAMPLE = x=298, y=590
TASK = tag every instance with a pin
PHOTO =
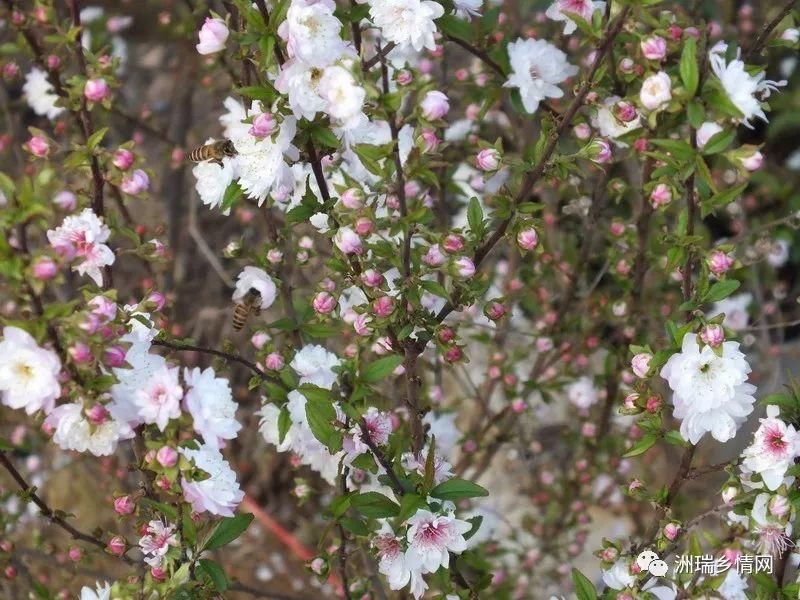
x=404, y=77
x=259, y=339
x=712, y=335
x=158, y=573
x=318, y=566
x=435, y=105
x=582, y=131
x=753, y=162
x=434, y=257
x=446, y=335
x=10, y=70
x=348, y=241
x=675, y=32
x=80, y=353
x=383, y=306
x=38, y=146
x=729, y=493
x=123, y=159
x=453, y=243
x=53, y=62
x=263, y=125
x=625, y=111
x=213, y=36
x=465, y=268
x=719, y=262
x=10, y=572
x=528, y=239
x=641, y=145
x=103, y=307
x=352, y=198
x=65, y=200
x=361, y=324
x=661, y=195
x=641, y=364
x=96, y=90
x=779, y=506
x=588, y=430
x=371, y=278
x=364, y=226
x=98, y=414
x=274, y=361
x=654, y=47
x=488, y=159
x=609, y=554
x=274, y=256
x=75, y=554
x=116, y=546
x=158, y=300
x=323, y=303
x=495, y=311
x=599, y=151
x=136, y=183
x=124, y=505
x=44, y=269
x=114, y=356
x=428, y=141
x=653, y=404
x=167, y=456
x=453, y=354
x=671, y=531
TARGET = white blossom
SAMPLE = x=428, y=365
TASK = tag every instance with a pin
x=28, y=372
x=619, y=576
x=312, y=33
x=407, y=22
x=315, y=365
x=158, y=395
x=537, y=67
x=656, y=91
x=744, y=90
x=219, y=493
x=84, y=236
x=210, y=402
x=40, y=94
x=159, y=537
x=255, y=278
x=73, y=431
x=582, y=393
x=213, y=179
x=432, y=537
x=710, y=393
x=102, y=591
x=262, y=165
x=775, y=446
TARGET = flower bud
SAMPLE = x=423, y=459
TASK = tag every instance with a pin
x=528, y=239
x=124, y=505
x=44, y=269
x=729, y=493
x=352, y=198
x=123, y=159
x=582, y=131
x=75, y=554
x=158, y=573
x=428, y=141
x=383, y=306
x=323, y=303
x=136, y=183
x=599, y=151
x=488, y=159
x=661, y=195
x=465, y=268
x=453, y=243
x=753, y=162
x=98, y=414
x=96, y=90
x=348, y=241
x=435, y=105
x=263, y=125
x=654, y=47
x=779, y=506
x=114, y=356
x=274, y=361
x=434, y=257
x=671, y=531
x=167, y=456
x=80, y=353
x=259, y=339
x=641, y=364
x=712, y=335
x=213, y=36
x=38, y=146
x=719, y=262
x=116, y=546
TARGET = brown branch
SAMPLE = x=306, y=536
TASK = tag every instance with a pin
x=382, y=53
x=533, y=176
x=397, y=486
x=54, y=516
x=764, y=34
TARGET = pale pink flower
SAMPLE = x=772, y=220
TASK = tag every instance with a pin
x=641, y=364
x=159, y=398
x=157, y=541
x=435, y=105
x=488, y=159
x=432, y=537
x=348, y=241
x=136, y=183
x=96, y=90
x=654, y=47
x=775, y=446
x=213, y=36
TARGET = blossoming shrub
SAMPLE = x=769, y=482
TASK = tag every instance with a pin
x=507, y=287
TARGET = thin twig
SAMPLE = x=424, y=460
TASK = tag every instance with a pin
x=764, y=34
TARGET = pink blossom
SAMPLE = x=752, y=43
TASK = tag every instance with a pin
x=213, y=36
x=671, y=531
x=263, y=125
x=428, y=141
x=654, y=47
x=123, y=159
x=167, y=456
x=625, y=111
x=600, y=152
x=383, y=306
x=361, y=324
x=435, y=105
x=38, y=146
x=641, y=364
x=352, y=198
x=432, y=537
x=96, y=90
x=274, y=361
x=753, y=162
x=528, y=239
x=98, y=414
x=136, y=183
x=324, y=303
x=116, y=546
x=65, y=200
x=719, y=262
x=712, y=335
x=465, y=267
x=488, y=159
x=661, y=195
x=453, y=243
x=434, y=257
x=114, y=356
x=44, y=269
x=259, y=339
x=364, y=226
x=582, y=131
x=124, y=505
x=348, y=241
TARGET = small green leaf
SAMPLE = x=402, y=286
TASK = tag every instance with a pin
x=284, y=423
x=228, y=530
x=232, y=194
x=375, y=505
x=382, y=367
x=476, y=521
x=457, y=489
x=321, y=417
x=583, y=587
x=97, y=137
x=719, y=142
x=215, y=573
x=688, y=66
x=643, y=445
x=721, y=290
x=475, y=217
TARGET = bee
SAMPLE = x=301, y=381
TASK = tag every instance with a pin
x=250, y=303
x=215, y=152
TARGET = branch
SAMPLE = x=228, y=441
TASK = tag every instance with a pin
x=180, y=347
x=53, y=515
x=764, y=34
x=533, y=176
x=382, y=53
x=397, y=486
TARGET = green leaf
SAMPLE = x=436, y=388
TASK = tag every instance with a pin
x=455, y=27
x=688, y=67
x=643, y=445
x=321, y=417
x=96, y=138
x=476, y=521
x=719, y=142
x=678, y=149
x=721, y=199
x=232, y=193
x=583, y=587
x=354, y=526
x=409, y=504
x=457, y=489
x=284, y=423
x=264, y=93
x=379, y=369
x=166, y=509
x=475, y=217
x=375, y=505
x=325, y=137
x=215, y=573
x=721, y=290
x=228, y=530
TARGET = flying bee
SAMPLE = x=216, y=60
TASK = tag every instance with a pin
x=250, y=303
x=215, y=152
